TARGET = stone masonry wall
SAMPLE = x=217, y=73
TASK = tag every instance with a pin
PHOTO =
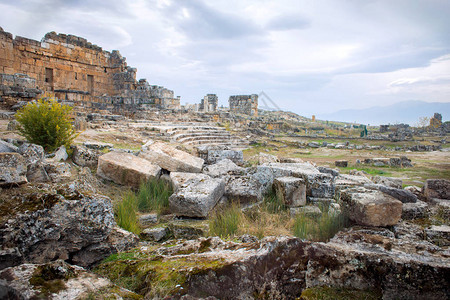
x=74, y=69
x=244, y=104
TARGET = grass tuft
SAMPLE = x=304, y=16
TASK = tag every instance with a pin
x=125, y=212
x=225, y=223
x=154, y=195
x=319, y=229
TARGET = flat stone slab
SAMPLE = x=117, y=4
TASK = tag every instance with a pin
x=371, y=207
x=414, y=210
x=155, y=234
x=388, y=181
x=345, y=180
x=196, y=196
x=242, y=189
x=126, y=169
x=171, y=159
x=222, y=168
x=437, y=188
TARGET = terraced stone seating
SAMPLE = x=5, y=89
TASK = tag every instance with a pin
x=203, y=135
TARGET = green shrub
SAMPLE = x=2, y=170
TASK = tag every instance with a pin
x=154, y=195
x=125, y=212
x=46, y=123
x=320, y=228
x=225, y=223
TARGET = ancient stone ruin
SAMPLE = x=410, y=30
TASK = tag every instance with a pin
x=244, y=104
x=73, y=69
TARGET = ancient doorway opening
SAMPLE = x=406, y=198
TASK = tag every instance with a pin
x=90, y=80
x=49, y=78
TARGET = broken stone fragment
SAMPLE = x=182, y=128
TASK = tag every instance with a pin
x=404, y=196
x=7, y=147
x=341, y=163
x=84, y=157
x=197, y=196
x=171, y=159
x=148, y=219
x=414, y=210
x=223, y=167
x=242, y=189
x=292, y=190
x=371, y=207
x=309, y=211
x=126, y=169
x=154, y=234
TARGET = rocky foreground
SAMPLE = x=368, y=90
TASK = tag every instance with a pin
x=59, y=238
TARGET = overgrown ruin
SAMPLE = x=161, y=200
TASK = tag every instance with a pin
x=75, y=70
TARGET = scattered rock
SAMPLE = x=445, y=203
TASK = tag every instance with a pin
x=126, y=169
x=344, y=181
x=84, y=157
x=7, y=147
x=437, y=188
x=58, y=171
x=33, y=153
x=404, y=196
x=292, y=190
x=171, y=159
x=196, y=196
x=98, y=145
x=13, y=169
x=148, y=219
x=341, y=163
x=154, y=234
x=12, y=125
x=215, y=156
x=438, y=235
x=60, y=154
x=371, y=207
x=242, y=189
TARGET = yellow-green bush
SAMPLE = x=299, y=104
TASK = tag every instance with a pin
x=47, y=123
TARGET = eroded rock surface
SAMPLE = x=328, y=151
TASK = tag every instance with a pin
x=41, y=227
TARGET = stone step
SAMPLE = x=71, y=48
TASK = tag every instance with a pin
x=206, y=137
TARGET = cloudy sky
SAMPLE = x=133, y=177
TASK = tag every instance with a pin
x=311, y=57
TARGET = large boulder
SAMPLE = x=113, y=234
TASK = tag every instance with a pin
x=292, y=190
x=171, y=159
x=196, y=196
x=126, y=169
x=371, y=207
x=41, y=227
x=57, y=280
x=437, y=188
x=13, y=169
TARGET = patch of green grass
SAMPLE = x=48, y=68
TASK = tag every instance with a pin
x=154, y=195
x=382, y=171
x=125, y=212
x=225, y=223
x=320, y=228
x=332, y=293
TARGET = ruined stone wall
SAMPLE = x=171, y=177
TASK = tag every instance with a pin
x=74, y=69
x=244, y=104
x=209, y=103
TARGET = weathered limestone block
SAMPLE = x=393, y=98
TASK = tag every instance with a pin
x=148, y=219
x=13, y=169
x=242, y=189
x=388, y=181
x=309, y=211
x=126, y=169
x=414, y=210
x=319, y=185
x=33, y=153
x=371, y=207
x=223, y=167
x=154, y=234
x=439, y=235
x=292, y=190
x=264, y=158
x=171, y=159
x=215, y=156
x=437, y=188
x=344, y=180
x=196, y=196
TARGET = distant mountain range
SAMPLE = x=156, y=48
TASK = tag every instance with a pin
x=407, y=112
